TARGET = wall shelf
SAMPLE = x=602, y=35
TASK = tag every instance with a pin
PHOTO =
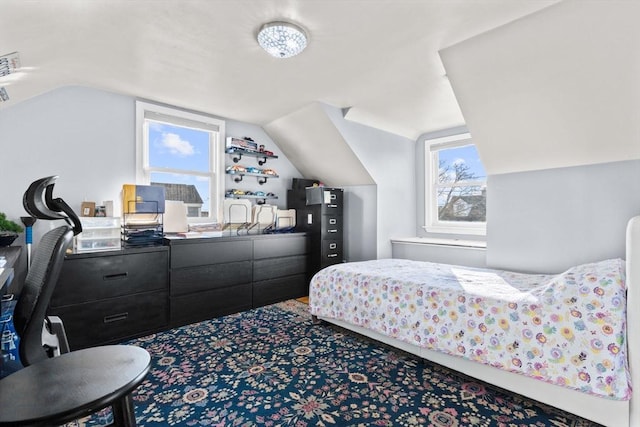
x=239, y=152
x=262, y=178
x=260, y=200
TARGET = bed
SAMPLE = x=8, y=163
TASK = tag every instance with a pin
x=560, y=339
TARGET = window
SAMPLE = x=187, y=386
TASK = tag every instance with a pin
x=184, y=152
x=456, y=186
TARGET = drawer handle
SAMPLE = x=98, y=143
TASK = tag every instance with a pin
x=333, y=245
x=333, y=221
x=332, y=206
x=116, y=317
x=333, y=230
x=332, y=255
x=115, y=276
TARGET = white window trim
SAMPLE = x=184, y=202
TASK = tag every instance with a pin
x=432, y=224
x=217, y=175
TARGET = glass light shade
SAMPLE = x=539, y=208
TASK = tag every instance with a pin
x=282, y=39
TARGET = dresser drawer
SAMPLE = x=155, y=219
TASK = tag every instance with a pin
x=200, y=306
x=98, y=277
x=191, y=254
x=113, y=319
x=332, y=227
x=278, y=267
x=203, y=278
x=284, y=245
x=331, y=199
x=274, y=290
x=332, y=252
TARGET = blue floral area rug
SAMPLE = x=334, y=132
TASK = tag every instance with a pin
x=273, y=367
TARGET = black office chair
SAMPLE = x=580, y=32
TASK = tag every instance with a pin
x=41, y=336
x=54, y=390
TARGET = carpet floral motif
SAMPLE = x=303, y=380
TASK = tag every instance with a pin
x=273, y=367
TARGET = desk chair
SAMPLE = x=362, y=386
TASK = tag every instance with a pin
x=85, y=385
x=41, y=336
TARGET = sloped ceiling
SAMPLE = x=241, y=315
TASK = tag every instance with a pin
x=311, y=141
x=557, y=88
x=380, y=58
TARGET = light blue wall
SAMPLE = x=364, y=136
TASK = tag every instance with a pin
x=87, y=137
x=549, y=220
x=281, y=165
x=389, y=160
x=546, y=220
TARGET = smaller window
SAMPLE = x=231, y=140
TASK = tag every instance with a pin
x=456, y=186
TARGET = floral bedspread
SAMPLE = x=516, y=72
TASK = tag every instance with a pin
x=568, y=329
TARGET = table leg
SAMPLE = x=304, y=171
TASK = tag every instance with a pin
x=123, y=412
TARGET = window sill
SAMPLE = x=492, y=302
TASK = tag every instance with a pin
x=473, y=244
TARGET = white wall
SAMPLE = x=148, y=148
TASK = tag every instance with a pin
x=360, y=222
x=389, y=160
x=87, y=137
x=547, y=221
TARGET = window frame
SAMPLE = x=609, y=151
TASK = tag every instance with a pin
x=432, y=168
x=216, y=172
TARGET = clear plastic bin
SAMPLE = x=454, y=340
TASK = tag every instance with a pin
x=97, y=244
x=98, y=234
x=100, y=222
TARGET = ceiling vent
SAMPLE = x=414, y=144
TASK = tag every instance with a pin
x=9, y=63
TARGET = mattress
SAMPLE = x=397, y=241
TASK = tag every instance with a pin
x=568, y=329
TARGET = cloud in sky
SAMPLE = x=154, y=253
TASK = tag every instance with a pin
x=177, y=145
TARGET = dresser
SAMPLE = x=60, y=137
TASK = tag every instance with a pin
x=109, y=296
x=106, y=297
x=220, y=276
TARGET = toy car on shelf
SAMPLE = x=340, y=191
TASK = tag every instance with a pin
x=236, y=169
x=269, y=172
x=253, y=170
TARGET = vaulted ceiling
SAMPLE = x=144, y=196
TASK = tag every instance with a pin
x=377, y=58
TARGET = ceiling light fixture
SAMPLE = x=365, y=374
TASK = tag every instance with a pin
x=282, y=39
x=9, y=63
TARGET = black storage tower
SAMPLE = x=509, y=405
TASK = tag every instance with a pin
x=319, y=212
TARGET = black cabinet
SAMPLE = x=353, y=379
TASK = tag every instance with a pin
x=105, y=297
x=209, y=278
x=319, y=212
x=220, y=276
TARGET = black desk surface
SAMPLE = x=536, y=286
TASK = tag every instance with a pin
x=72, y=385
x=11, y=254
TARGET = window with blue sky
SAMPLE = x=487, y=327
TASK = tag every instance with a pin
x=182, y=151
x=455, y=182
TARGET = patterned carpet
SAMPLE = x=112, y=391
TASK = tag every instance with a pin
x=273, y=367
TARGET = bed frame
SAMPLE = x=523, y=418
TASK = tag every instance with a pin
x=609, y=412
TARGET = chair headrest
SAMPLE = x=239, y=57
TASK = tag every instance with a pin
x=39, y=202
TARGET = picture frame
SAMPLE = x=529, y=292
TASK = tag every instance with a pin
x=88, y=209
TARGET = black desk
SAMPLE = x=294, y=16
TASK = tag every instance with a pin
x=74, y=385
x=16, y=266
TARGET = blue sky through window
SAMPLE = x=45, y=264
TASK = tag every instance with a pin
x=467, y=154
x=182, y=148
